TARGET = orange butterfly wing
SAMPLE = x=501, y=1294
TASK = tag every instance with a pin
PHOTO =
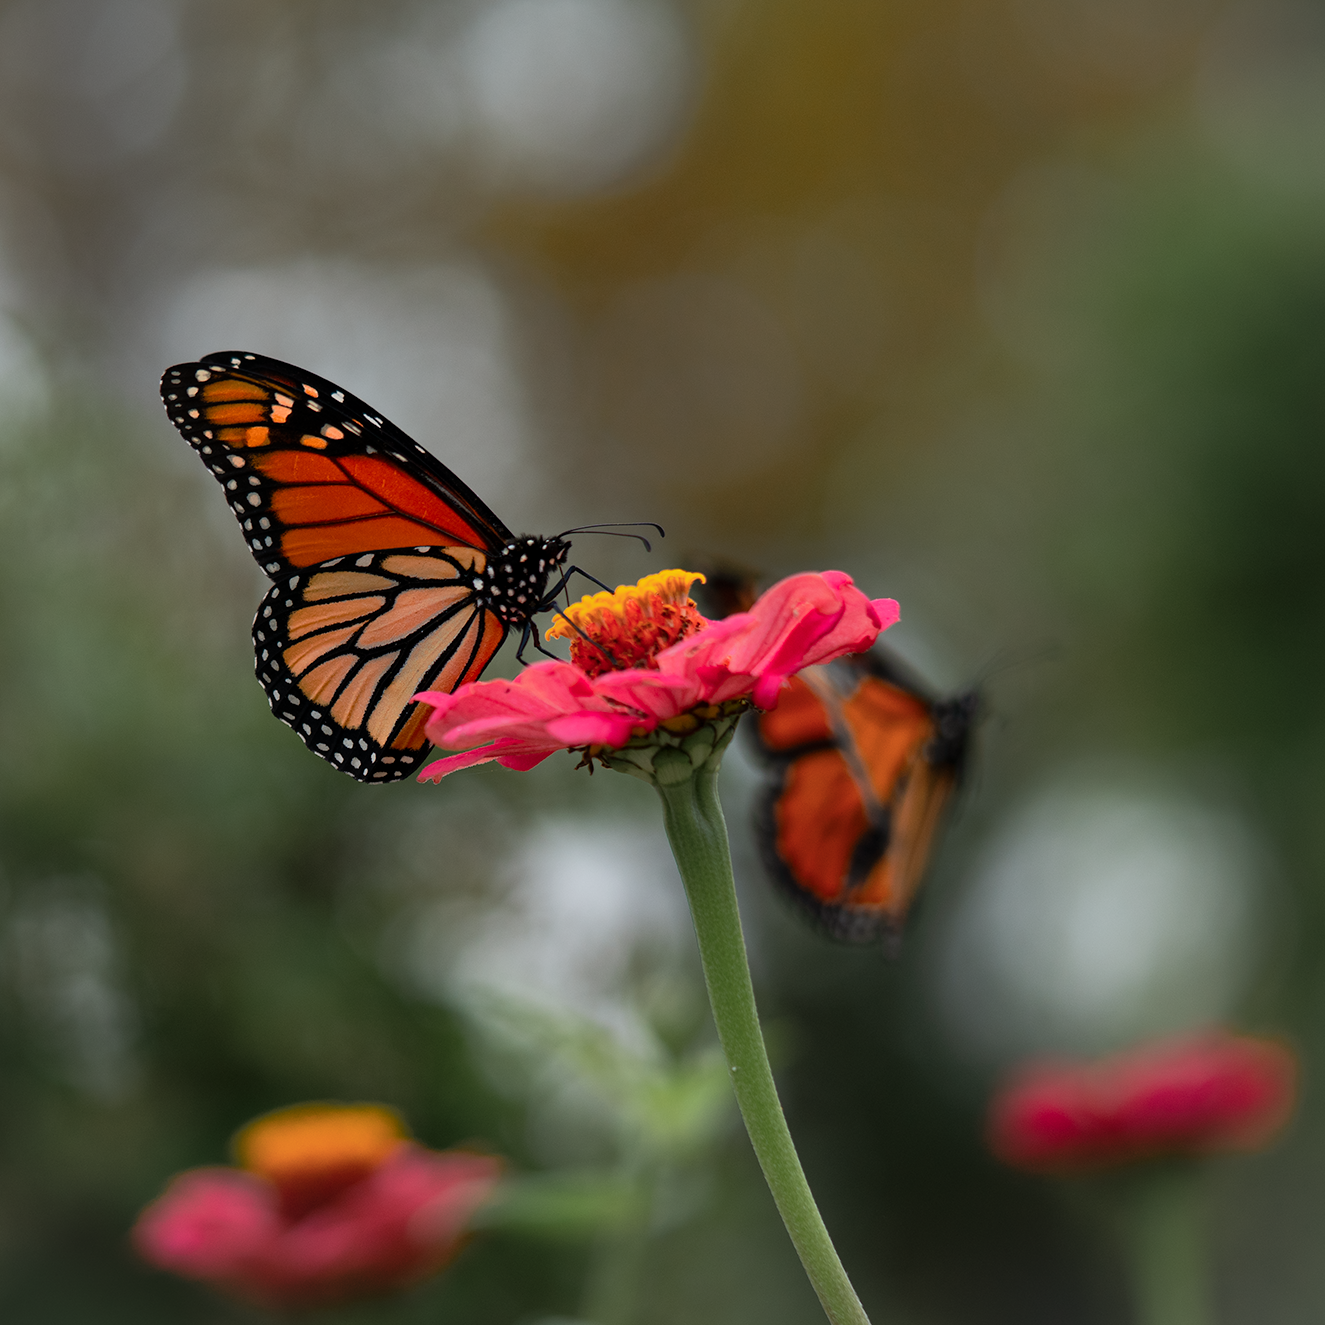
x=864, y=764
x=377, y=550
x=313, y=473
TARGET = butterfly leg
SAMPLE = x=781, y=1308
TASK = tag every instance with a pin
x=531, y=634
x=561, y=584
x=549, y=603
x=575, y=570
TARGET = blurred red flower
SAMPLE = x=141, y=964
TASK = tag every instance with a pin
x=1193, y=1095
x=331, y=1202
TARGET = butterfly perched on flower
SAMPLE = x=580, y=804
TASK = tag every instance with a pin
x=863, y=760
x=390, y=576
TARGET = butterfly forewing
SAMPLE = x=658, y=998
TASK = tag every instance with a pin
x=311, y=472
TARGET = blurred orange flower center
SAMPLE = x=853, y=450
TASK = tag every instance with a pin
x=611, y=632
x=312, y=1151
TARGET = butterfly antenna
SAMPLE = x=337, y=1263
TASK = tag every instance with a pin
x=614, y=531
x=1007, y=660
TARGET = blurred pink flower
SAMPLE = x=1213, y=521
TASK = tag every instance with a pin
x=743, y=659
x=1210, y=1092
x=333, y=1203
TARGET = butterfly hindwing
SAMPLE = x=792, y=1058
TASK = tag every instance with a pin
x=342, y=649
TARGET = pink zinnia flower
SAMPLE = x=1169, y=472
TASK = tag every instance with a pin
x=1210, y=1092
x=331, y=1202
x=644, y=659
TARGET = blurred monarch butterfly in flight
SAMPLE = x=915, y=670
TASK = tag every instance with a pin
x=863, y=760
x=390, y=576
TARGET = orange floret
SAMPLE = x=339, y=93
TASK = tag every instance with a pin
x=312, y=1150
x=610, y=632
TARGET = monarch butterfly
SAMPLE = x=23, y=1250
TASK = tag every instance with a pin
x=390, y=576
x=863, y=760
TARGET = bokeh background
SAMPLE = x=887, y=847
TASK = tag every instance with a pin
x=1014, y=309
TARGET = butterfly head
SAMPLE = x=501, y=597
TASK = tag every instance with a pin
x=514, y=583
x=953, y=721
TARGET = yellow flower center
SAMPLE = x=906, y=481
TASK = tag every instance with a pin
x=611, y=632
x=312, y=1151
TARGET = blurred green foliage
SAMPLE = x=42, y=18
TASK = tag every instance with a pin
x=187, y=867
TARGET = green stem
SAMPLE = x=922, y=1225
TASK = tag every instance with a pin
x=698, y=834
x=1163, y=1234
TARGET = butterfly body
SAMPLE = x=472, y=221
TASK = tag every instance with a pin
x=390, y=576
x=863, y=763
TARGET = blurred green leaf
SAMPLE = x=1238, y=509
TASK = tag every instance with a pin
x=669, y=1106
x=564, y=1205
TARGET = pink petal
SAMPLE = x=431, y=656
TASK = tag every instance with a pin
x=398, y=1224
x=656, y=696
x=439, y=768
x=802, y=620
x=591, y=729
x=859, y=626
x=439, y=700
x=886, y=612
x=522, y=763
x=208, y=1223
x=1211, y=1092
x=765, y=693
x=482, y=730
x=402, y=1221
